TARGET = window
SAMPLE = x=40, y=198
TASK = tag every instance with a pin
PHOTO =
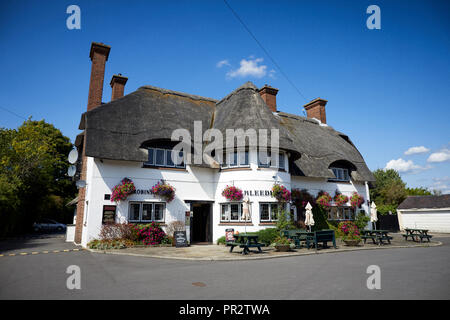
x=163, y=158
x=269, y=211
x=236, y=159
x=341, y=213
x=265, y=160
x=231, y=212
x=146, y=212
x=341, y=174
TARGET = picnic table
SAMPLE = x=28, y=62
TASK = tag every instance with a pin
x=415, y=234
x=316, y=237
x=245, y=241
x=377, y=236
x=306, y=237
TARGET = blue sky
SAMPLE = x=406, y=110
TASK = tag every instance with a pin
x=387, y=89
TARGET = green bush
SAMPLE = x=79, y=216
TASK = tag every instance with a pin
x=361, y=220
x=283, y=222
x=221, y=240
x=267, y=235
x=320, y=219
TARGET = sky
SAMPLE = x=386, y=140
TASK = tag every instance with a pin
x=388, y=89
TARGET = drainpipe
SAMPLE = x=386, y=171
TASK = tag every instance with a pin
x=368, y=202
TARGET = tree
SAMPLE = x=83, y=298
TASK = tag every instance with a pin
x=389, y=191
x=418, y=192
x=33, y=181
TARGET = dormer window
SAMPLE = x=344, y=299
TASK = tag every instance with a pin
x=265, y=160
x=341, y=174
x=159, y=157
x=237, y=159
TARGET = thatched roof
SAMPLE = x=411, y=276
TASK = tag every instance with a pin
x=117, y=130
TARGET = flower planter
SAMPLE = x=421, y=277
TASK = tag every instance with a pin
x=352, y=243
x=283, y=247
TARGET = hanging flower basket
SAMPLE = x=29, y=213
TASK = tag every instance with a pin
x=356, y=200
x=232, y=193
x=323, y=200
x=163, y=190
x=122, y=190
x=280, y=193
x=340, y=199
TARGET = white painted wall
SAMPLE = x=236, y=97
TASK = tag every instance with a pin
x=435, y=220
x=194, y=183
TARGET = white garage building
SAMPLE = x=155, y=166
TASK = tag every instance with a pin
x=425, y=212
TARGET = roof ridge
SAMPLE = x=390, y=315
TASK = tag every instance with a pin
x=248, y=85
x=177, y=93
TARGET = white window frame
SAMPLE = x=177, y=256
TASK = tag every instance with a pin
x=343, y=172
x=344, y=213
x=141, y=203
x=166, y=151
x=270, y=204
x=228, y=212
x=227, y=165
x=281, y=164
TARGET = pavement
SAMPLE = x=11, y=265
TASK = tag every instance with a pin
x=221, y=252
x=405, y=273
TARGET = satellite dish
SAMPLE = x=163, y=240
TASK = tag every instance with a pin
x=71, y=171
x=80, y=184
x=73, y=156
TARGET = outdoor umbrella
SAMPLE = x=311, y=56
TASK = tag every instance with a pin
x=246, y=212
x=373, y=214
x=309, y=220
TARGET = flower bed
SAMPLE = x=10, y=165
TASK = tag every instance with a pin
x=150, y=234
x=163, y=190
x=348, y=231
x=232, y=193
x=280, y=193
x=122, y=190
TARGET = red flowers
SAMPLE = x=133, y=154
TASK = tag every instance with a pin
x=150, y=234
x=348, y=231
x=340, y=199
x=356, y=200
x=323, y=199
x=280, y=193
x=163, y=190
x=122, y=190
x=232, y=193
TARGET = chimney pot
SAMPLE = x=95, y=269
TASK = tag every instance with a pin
x=118, y=86
x=316, y=109
x=99, y=55
x=269, y=95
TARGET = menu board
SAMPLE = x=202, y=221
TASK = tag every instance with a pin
x=109, y=214
x=229, y=235
x=180, y=239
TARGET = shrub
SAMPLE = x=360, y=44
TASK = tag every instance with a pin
x=281, y=240
x=222, y=240
x=299, y=224
x=348, y=230
x=302, y=197
x=283, y=223
x=150, y=234
x=361, y=220
x=109, y=244
x=167, y=240
x=116, y=231
x=320, y=219
x=267, y=235
x=175, y=226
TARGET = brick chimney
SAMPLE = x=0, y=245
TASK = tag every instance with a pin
x=99, y=55
x=316, y=109
x=118, y=86
x=269, y=95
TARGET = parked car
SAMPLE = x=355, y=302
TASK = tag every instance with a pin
x=46, y=225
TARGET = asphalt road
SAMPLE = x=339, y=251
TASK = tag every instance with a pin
x=410, y=273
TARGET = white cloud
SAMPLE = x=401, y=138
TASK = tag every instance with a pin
x=249, y=68
x=404, y=166
x=222, y=63
x=416, y=150
x=440, y=156
x=442, y=184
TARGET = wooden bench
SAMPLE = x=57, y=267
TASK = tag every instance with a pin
x=245, y=242
x=369, y=236
x=417, y=233
x=292, y=234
